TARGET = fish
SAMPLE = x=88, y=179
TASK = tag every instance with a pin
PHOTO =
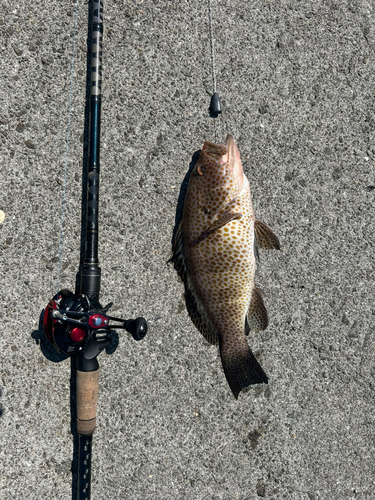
x=215, y=250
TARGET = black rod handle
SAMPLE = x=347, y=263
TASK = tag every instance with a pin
x=84, y=467
x=87, y=384
x=87, y=398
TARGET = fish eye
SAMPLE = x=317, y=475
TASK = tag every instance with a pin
x=201, y=169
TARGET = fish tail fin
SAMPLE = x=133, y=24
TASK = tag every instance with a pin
x=240, y=366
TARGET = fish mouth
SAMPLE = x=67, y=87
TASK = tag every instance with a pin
x=232, y=151
x=227, y=157
x=220, y=165
x=220, y=152
x=234, y=161
x=229, y=141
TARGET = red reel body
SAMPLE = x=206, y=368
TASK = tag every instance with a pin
x=66, y=336
x=71, y=322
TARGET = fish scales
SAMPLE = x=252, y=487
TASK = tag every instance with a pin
x=215, y=255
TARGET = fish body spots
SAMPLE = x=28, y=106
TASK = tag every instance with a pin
x=214, y=253
x=221, y=263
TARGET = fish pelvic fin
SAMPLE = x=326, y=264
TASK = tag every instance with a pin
x=257, y=317
x=240, y=366
x=265, y=237
x=194, y=305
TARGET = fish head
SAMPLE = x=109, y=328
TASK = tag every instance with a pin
x=217, y=177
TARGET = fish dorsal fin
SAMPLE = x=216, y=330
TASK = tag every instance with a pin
x=265, y=237
x=195, y=308
x=257, y=317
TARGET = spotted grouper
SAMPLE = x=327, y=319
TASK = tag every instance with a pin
x=215, y=252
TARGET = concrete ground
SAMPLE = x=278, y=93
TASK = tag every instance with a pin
x=297, y=83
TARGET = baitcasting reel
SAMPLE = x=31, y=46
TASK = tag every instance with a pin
x=71, y=323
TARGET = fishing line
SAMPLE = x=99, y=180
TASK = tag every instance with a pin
x=215, y=105
x=67, y=147
x=212, y=46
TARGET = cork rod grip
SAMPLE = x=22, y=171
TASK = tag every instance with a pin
x=87, y=399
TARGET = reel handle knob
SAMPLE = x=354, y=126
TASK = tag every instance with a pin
x=137, y=327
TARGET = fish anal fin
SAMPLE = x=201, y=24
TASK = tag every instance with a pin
x=265, y=237
x=217, y=224
x=257, y=317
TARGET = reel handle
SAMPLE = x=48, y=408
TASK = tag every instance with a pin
x=87, y=388
x=137, y=327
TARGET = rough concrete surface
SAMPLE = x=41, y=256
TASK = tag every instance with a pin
x=297, y=83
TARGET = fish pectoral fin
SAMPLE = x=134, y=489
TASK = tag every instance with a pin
x=222, y=221
x=265, y=237
x=257, y=317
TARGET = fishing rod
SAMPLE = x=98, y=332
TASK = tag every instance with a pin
x=75, y=323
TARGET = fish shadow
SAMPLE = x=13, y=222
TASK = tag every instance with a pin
x=182, y=194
